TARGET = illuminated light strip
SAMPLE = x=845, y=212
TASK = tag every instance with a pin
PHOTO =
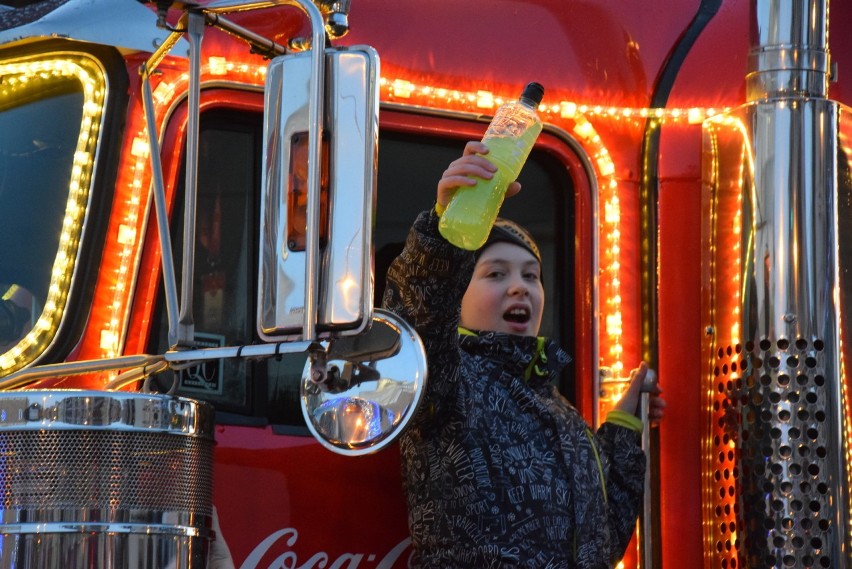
x=584, y=130
x=134, y=185
x=26, y=74
x=404, y=89
x=136, y=192
x=716, y=522
x=610, y=254
x=708, y=451
x=844, y=388
x=440, y=97
x=746, y=164
x=129, y=228
x=104, y=338
x=736, y=332
x=844, y=396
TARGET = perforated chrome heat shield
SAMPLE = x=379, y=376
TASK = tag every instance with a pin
x=102, y=479
x=776, y=269
x=776, y=281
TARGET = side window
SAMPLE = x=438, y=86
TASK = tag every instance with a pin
x=57, y=156
x=225, y=283
x=37, y=147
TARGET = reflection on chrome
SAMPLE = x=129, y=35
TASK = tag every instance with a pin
x=375, y=396
x=352, y=419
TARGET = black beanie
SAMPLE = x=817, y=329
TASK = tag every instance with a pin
x=506, y=231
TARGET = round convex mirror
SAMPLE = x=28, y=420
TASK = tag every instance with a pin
x=382, y=375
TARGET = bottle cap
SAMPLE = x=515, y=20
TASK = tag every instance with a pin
x=533, y=92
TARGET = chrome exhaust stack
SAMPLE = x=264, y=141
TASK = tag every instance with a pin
x=776, y=475
x=789, y=55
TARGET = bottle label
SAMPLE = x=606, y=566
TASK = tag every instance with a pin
x=510, y=120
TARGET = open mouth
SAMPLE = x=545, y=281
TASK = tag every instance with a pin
x=517, y=315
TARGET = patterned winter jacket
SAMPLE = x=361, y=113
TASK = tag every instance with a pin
x=499, y=469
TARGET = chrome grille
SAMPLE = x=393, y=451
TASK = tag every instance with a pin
x=105, y=469
x=121, y=480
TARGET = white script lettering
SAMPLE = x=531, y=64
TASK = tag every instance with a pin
x=288, y=559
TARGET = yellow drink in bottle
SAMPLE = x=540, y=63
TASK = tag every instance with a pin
x=469, y=216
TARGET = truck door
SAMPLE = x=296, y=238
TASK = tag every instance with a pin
x=259, y=400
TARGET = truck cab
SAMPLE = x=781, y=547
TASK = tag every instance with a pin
x=138, y=151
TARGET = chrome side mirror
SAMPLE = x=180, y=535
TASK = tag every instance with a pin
x=361, y=393
x=366, y=369
x=328, y=286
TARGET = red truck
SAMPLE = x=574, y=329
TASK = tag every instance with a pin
x=263, y=160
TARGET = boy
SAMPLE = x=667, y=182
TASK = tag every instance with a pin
x=499, y=469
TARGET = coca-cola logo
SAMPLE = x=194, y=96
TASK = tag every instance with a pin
x=283, y=540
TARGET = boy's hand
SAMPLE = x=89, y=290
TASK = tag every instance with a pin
x=629, y=402
x=464, y=171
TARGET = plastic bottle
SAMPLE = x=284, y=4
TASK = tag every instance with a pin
x=472, y=210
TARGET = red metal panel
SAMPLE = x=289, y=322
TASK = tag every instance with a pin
x=285, y=501
x=603, y=52
x=681, y=367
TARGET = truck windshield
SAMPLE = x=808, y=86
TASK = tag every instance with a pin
x=39, y=130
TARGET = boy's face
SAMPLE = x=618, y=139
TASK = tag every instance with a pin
x=505, y=293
